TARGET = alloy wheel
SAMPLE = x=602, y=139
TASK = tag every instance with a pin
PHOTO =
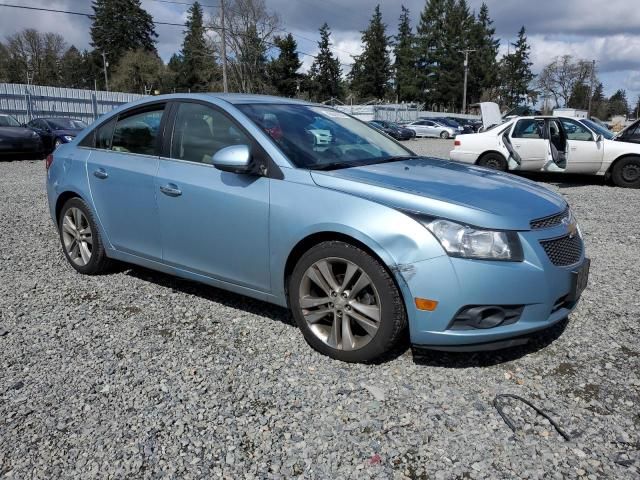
x=340, y=303
x=77, y=236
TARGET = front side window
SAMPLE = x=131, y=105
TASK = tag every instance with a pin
x=345, y=142
x=528, y=128
x=201, y=131
x=575, y=131
x=633, y=134
x=138, y=133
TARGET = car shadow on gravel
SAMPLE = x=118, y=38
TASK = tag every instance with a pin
x=565, y=180
x=434, y=358
x=212, y=294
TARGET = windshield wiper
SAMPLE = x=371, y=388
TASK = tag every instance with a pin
x=395, y=158
x=332, y=166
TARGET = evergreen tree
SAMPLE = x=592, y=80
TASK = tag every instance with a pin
x=371, y=71
x=120, y=26
x=406, y=84
x=618, y=104
x=139, y=71
x=75, y=73
x=283, y=70
x=483, y=68
x=429, y=48
x=599, y=104
x=197, y=63
x=515, y=72
x=325, y=71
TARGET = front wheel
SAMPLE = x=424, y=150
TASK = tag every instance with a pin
x=626, y=172
x=346, y=303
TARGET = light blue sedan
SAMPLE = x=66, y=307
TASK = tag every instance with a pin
x=359, y=237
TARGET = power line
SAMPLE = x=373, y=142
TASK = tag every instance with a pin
x=89, y=15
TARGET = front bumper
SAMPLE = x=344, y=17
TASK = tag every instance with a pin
x=535, y=284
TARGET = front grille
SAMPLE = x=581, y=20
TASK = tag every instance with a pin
x=548, y=222
x=563, y=251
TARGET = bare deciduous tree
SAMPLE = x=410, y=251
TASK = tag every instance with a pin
x=36, y=55
x=560, y=78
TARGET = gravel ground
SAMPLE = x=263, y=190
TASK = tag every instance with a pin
x=139, y=375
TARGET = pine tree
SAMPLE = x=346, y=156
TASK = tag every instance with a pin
x=371, y=71
x=483, y=68
x=197, y=63
x=429, y=48
x=120, y=26
x=325, y=72
x=515, y=71
x=139, y=71
x=283, y=70
x=75, y=72
x=406, y=84
x=618, y=104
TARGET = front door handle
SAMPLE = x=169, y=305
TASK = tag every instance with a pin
x=171, y=190
x=101, y=173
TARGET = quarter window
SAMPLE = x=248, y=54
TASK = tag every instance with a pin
x=576, y=131
x=137, y=133
x=104, y=135
x=201, y=131
x=528, y=128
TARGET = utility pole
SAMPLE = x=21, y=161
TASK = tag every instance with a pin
x=466, y=72
x=105, y=64
x=224, y=50
x=593, y=74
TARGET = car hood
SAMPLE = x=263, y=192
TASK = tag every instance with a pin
x=17, y=133
x=472, y=195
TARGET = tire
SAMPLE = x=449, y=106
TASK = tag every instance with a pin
x=444, y=135
x=57, y=143
x=76, y=211
x=626, y=172
x=328, y=309
x=495, y=161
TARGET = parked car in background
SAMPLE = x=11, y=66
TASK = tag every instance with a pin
x=451, y=123
x=16, y=141
x=361, y=239
x=432, y=128
x=393, y=129
x=55, y=131
x=630, y=134
x=469, y=125
x=553, y=144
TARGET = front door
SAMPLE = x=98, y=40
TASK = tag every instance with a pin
x=213, y=223
x=584, y=154
x=528, y=143
x=121, y=172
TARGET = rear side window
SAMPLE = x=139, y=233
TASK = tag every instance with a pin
x=138, y=133
x=528, y=128
x=201, y=131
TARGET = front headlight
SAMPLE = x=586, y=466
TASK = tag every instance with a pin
x=467, y=242
x=68, y=138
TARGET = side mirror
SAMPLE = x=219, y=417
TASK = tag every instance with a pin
x=599, y=137
x=235, y=159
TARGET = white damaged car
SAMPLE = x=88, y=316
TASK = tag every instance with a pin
x=552, y=144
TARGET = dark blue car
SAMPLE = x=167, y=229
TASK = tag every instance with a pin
x=56, y=131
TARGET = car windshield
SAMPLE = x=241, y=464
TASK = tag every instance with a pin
x=449, y=121
x=66, y=123
x=345, y=142
x=8, y=121
x=608, y=134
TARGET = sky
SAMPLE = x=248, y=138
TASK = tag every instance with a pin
x=607, y=31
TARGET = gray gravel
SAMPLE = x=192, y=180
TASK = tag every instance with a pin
x=140, y=375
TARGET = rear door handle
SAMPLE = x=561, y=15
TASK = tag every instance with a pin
x=171, y=190
x=100, y=173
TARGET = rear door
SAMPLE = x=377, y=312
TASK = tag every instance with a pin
x=584, y=154
x=528, y=142
x=121, y=172
x=213, y=223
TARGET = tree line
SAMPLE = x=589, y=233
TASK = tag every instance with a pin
x=424, y=65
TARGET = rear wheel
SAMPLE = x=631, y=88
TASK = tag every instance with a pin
x=346, y=303
x=81, y=241
x=444, y=135
x=626, y=172
x=494, y=161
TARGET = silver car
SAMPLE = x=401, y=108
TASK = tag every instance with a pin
x=431, y=128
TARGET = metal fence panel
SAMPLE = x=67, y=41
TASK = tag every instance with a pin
x=26, y=102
